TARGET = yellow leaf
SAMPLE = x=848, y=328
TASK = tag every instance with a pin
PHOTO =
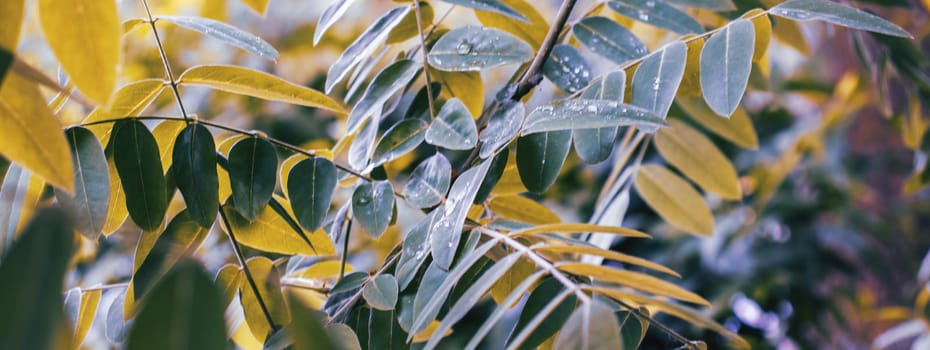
x=691, y=80
x=267, y=280
x=468, y=87
x=519, y=208
x=165, y=134
x=31, y=136
x=635, y=280
x=90, y=299
x=34, y=191
x=258, y=5
x=271, y=233
x=763, y=29
x=532, y=32
x=117, y=212
x=250, y=82
x=520, y=271
x=737, y=129
x=580, y=228
x=674, y=199
x=324, y=269
x=510, y=182
x=789, y=32
x=407, y=28
x=608, y=254
x=698, y=158
x=130, y=100
x=244, y=339
x=425, y=334
x=85, y=37
x=11, y=22
x=223, y=177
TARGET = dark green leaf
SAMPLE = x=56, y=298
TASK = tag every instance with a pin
x=608, y=39
x=364, y=45
x=33, y=273
x=373, y=205
x=329, y=17
x=6, y=60
x=91, y=183
x=446, y=230
x=836, y=13
x=503, y=126
x=567, y=69
x=632, y=329
x=227, y=33
x=473, y=48
x=252, y=167
x=495, y=6
x=726, y=62
x=400, y=139
x=349, y=282
x=194, y=164
x=138, y=164
x=540, y=157
x=492, y=178
x=588, y=114
x=306, y=328
x=657, y=13
x=383, y=86
x=384, y=332
x=548, y=290
x=454, y=128
x=311, y=185
x=429, y=182
x=381, y=292
x=595, y=145
x=657, y=79
x=181, y=238
x=185, y=311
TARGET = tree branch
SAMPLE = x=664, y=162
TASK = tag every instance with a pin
x=164, y=61
x=533, y=75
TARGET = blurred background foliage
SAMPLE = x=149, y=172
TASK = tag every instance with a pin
x=826, y=250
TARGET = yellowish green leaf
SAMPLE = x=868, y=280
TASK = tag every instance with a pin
x=468, y=87
x=699, y=159
x=518, y=273
x=737, y=129
x=635, y=280
x=607, y=254
x=271, y=233
x=90, y=299
x=130, y=100
x=691, y=81
x=117, y=212
x=267, y=280
x=580, y=228
x=763, y=26
x=532, y=31
x=516, y=207
x=674, y=199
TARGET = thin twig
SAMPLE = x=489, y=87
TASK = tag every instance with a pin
x=164, y=61
x=429, y=88
x=245, y=269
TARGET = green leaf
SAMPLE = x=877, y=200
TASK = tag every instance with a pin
x=6, y=60
x=364, y=45
x=330, y=16
x=564, y=115
x=138, y=163
x=416, y=249
x=85, y=37
x=429, y=182
x=495, y=172
x=503, y=125
x=657, y=13
x=33, y=271
x=181, y=238
x=608, y=39
x=270, y=232
x=252, y=166
x=491, y=320
x=454, y=128
x=595, y=145
x=349, y=282
x=195, y=173
x=250, y=82
x=674, y=199
x=632, y=329
x=91, y=183
x=544, y=302
x=400, y=139
x=495, y=6
x=726, y=62
x=658, y=76
x=836, y=13
x=540, y=157
x=391, y=79
x=311, y=192
x=381, y=292
x=567, y=68
x=446, y=229
x=373, y=206
x=307, y=328
x=699, y=159
x=227, y=33
x=473, y=48
x=384, y=331
x=185, y=311
x=591, y=326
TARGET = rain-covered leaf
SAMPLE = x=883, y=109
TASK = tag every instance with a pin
x=674, y=199
x=330, y=16
x=836, y=13
x=364, y=45
x=608, y=39
x=227, y=33
x=503, y=125
x=564, y=115
x=726, y=62
x=446, y=229
x=363, y=144
x=595, y=145
x=657, y=78
x=567, y=68
x=454, y=128
x=473, y=48
x=31, y=136
x=591, y=326
x=91, y=183
x=373, y=206
x=313, y=182
x=270, y=232
x=540, y=157
x=495, y=6
x=184, y=311
x=181, y=238
x=69, y=29
x=399, y=140
x=391, y=79
x=543, y=302
x=195, y=173
x=33, y=271
x=138, y=162
x=416, y=249
x=657, y=13
x=699, y=159
x=250, y=82
x=381, y=292
x=429, y=182
x=252, y=166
